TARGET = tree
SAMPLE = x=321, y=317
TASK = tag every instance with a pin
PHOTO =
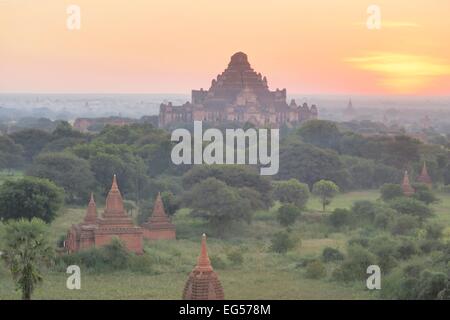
x=220, y=205
x=291, y=191
x=340, y=217
x=26, y=252
x=10, y=153
x=321, y=133
x=237, y=176
x=288, y=214
x=29, y=198
x=32, y=141
x=391, y=191
x=325, y=190
x=310, y=164
x=68, y=171
x=424, y=193
x=171, y=202
x=283, y=241
x=412, y=207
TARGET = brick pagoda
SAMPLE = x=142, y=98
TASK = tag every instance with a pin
x=158, y=226
x=408, y=190
x=82, y=236
x=97, y=232
x=425, y=177
x=203, y=283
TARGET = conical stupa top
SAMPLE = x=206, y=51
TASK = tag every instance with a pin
x=203, y=263
x=114, y=201
x=91, y=212
x=424, y=176
x=158, y=208
x=406, y=178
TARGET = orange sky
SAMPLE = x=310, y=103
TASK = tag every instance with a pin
x=146, y=46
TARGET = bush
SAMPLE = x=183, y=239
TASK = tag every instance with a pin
x=316, y=270
x=404, y=224
x=218, y=262
x=385, y=249
x=434, y=231
x=288, y=214
x=411, y=207
x=354, y=267
x=364, y=211
x=390, y=191
x=291, y=192
x=339, y=217
x=235, y=257
x=423, y=193
x=332, y=254
x=406, y=249
x=283, y=241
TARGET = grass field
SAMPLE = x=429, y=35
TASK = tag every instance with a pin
x=263, y=274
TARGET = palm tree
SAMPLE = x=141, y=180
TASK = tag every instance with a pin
x=26, y=251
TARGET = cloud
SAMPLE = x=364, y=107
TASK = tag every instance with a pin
x=385, y=24
x=401, y=72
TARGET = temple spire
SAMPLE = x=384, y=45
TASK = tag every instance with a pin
x=424, y=176
x=91, y=212
x=203, y=263
x=406, y=186
x=114, y=201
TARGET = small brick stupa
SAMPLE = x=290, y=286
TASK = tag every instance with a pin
x=158, y=226
x=408, y=190
x=425, y=177
x=97, y=232
x=82, y=236
x=203, y=283
x=116, y=223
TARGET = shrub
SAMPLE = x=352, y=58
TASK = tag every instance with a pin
x=235, y=257
x=332, y=254
x=406, y=249
x=340, y=217
x=404, y=224
x=411, y=207
x=316, y=270
x=218, y=262
x=354, y=267
x=390, y=191
x=434, y=231
x=291, y=192
x=384, y=249
x=363, y=242
x=288, y=214
x=364, y=211
x=283, y=241
x=423, y=193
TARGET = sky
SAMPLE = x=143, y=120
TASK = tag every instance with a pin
x=173, y=46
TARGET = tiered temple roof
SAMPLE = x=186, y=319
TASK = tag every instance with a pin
x=406, y=186
x=203, y=283
x=158, y=225
x=96, y=232
x=425, y=177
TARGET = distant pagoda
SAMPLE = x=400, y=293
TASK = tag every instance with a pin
x=203, y=283
x=97, y=232
x=408, y=190
x=425, y=177
x=159, y=226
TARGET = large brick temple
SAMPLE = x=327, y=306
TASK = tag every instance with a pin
x=240, y=95
x=97, y=231
x=203, y=283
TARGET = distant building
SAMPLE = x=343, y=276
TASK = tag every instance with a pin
x=99, y=231
x=241, y=95
x=349, y=112
x=203, y=283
